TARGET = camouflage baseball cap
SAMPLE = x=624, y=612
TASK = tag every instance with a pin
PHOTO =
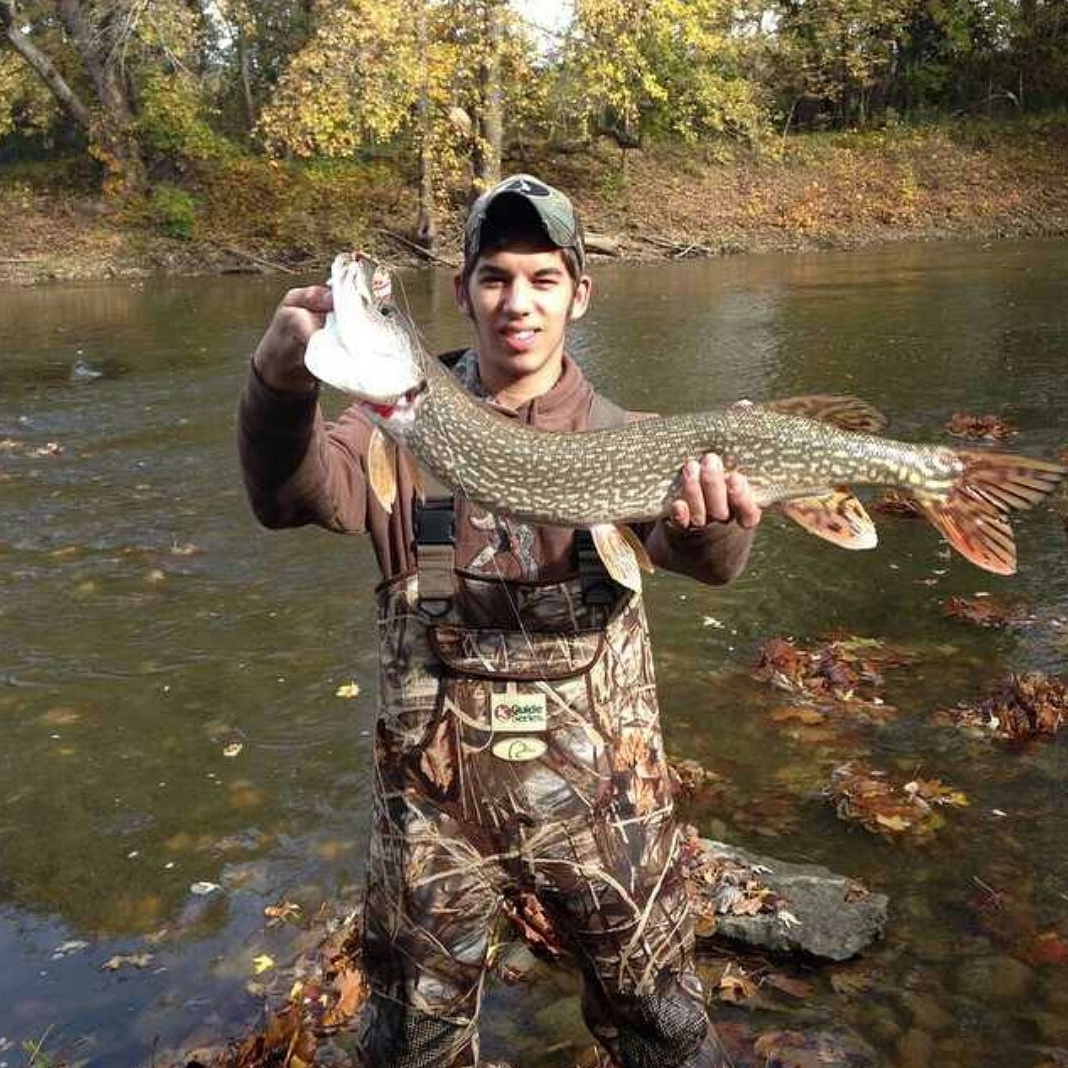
x=554, y=211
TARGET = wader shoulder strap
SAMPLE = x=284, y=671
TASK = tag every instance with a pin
x=597, y=587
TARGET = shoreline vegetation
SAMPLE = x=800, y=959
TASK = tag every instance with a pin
x=957, y=179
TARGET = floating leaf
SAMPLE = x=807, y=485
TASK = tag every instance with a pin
x=985, y=611
x=348, y=689
x=866, y=796
x=202, y=889
x=988, y=427
x=233, y=749
x=734, y=985
x=282, y=912
x=261, y=964
x=1023, y=707
x=121, y=960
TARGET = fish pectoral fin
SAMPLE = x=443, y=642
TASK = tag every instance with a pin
x=843, y=412
x=972, y=516
x=622, y=553
x=382, y=469
x=836, y=517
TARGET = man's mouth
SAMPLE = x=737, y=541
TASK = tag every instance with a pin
x=519, y=340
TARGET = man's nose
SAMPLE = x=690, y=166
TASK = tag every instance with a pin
x=518, y=297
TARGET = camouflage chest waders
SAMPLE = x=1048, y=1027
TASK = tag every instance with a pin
x=522, y=758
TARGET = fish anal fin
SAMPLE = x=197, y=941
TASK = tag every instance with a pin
x=836, y=517
x=844, y=412
x=382, y=469
x=622, y=553
x=972, y=516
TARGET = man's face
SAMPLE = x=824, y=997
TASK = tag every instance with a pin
x=521, y=299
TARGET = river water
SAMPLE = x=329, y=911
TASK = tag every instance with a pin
x=169, y=671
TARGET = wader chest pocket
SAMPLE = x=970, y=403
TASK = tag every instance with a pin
x=510, y=687
x=515, y=656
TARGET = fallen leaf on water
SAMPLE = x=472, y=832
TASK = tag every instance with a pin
x=844, y=671
x=989, y=427
x=1048, y=947
x=233, y=749
x=788, y=1049
x=347, y=689
x=734, y=985
x=261, y=964
x=352, y=990
x=865, y=795
x=204, y=888
x=134, y=960
x=985, y=611
x=1023, y=707
x=282, y=912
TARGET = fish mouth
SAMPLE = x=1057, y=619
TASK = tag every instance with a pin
x=400, y=404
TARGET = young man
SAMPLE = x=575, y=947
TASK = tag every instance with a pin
x=519, y=767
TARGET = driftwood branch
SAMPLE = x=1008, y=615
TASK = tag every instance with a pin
x=253, y=258
x=417, y=249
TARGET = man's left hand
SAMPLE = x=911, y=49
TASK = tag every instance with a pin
x=711, y=495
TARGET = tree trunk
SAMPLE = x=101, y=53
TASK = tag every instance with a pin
x=248, y=103
x=112, y=133
x=44, y=68
x=426, y=230
x=486, y=155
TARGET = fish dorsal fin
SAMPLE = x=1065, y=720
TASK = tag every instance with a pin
x=622, y=553
x=382, y=469
x=836, y=517
x=844, y=412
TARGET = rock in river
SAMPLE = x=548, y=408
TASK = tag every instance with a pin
x=783, y=907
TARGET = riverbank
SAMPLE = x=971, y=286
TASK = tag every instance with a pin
x=981, y=181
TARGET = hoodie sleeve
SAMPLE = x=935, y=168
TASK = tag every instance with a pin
x=714, y=554
x=299, y=469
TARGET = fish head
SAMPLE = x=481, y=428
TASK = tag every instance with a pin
x=367, y=347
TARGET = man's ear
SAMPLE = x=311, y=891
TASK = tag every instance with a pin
x=581, y=300
x=459, y=292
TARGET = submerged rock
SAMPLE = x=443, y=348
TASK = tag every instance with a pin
x=809, y=909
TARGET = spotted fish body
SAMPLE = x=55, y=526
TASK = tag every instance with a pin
x=632, y=473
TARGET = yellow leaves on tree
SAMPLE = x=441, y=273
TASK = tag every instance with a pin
x=356, y=80
x=664, y=65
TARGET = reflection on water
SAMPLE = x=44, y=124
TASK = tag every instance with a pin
x=148, y=629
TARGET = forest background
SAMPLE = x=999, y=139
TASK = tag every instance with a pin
x=187, y=135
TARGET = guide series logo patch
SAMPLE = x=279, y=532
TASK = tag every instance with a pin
x=518, y=712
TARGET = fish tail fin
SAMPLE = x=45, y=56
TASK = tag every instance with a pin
x=973, y=515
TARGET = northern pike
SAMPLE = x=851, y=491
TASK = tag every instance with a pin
x=798, y=454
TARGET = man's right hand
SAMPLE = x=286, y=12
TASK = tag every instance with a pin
x=279, y=357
